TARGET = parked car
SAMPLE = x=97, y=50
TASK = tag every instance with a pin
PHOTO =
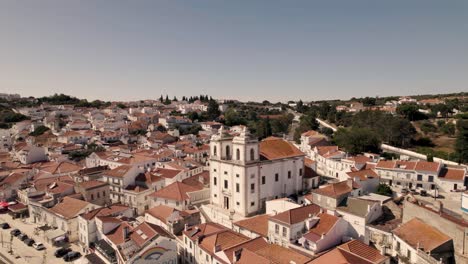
x=15, y=232
x=4, y=226
x=38, y=246
x=71, y=256
x=29, y=241
x=23, y=237
x=59, y=253
x=423, y=193
x=404, y=191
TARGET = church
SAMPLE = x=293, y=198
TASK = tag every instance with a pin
x=245, y=173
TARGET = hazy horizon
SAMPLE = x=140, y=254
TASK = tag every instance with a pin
x=247, y=50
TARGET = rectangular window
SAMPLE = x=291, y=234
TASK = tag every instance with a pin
x=276, y=177
x=225, y=184
x=419, y=177
x=300, y=172
x=284, y=231
x=225, y=173
x=237, y=187
x=263, y=179
x=252, y=187
x=214, y=181
x=289, y=174
x=252, y=203
x=277, y=229
x=431, y=178
x=237, y=175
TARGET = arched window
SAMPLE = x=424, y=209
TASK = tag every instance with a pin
x=237, y=154
x=252, y=154
x=228, y=152
x=214, y=151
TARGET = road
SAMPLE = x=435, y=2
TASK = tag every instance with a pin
x=22, y=254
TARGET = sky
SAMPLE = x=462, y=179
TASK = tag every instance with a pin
x=239, y=49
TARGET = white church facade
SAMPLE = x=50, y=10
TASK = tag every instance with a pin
x=245, y=173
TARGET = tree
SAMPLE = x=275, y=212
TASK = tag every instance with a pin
x=232, y=118
x=263, y=128
x=281, y=124
x=368, y=101
x=193, y=116
x=357, y=140
x=213, y=110
x=324, y=108
x=461, y=144
x=167, y=101
x=175, y=99
x=384, y=189
x=307, y=122
x=410, y=112
x=300, y=106
x=441, y=109
x=39, y=131
x=448, y=129
x=428, y=127
x=161, y=99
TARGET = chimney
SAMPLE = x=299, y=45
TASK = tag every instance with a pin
x=186, y=227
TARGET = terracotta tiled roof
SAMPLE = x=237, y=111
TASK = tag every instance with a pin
x=257, y=224
x=296, y=215
x=92, y=184
x=363, y=175
x=162, y=212
x=452, y=174
x=69, y=207
x=221, y=240
x=117, y=236
x=166, y=173
x=428, y=166
x=308, y=162
x=353, y=252
x=282, y=255
x=324, y=225
x=419, y=234
x=360, y=159
x=145, y=232
x=322, y=150
x=311, y=133
x=276, y=148
x=119, y=171
x=176, y=191
x=203, y=230
x=105, y=211
x=334, y=190
x=362, y=250
x=195, y=179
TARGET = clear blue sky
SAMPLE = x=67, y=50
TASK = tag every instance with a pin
x=250, y=50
